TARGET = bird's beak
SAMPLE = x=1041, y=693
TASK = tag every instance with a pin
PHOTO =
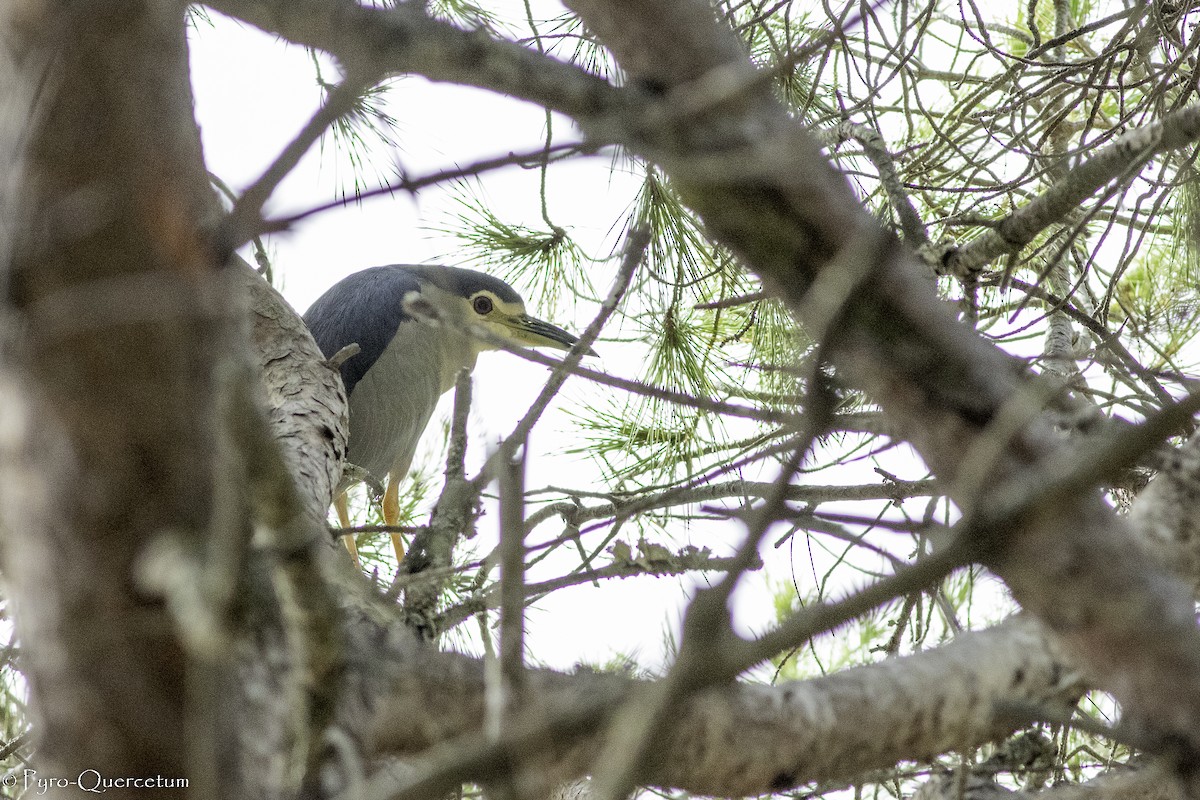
x=534, y=332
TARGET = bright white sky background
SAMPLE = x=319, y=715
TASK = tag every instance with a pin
x=254, y=92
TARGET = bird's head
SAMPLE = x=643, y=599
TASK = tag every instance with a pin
x=475, y=298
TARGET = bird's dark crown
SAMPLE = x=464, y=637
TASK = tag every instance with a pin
x=461, y=282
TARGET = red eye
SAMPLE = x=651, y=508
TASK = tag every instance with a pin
x=482, y=305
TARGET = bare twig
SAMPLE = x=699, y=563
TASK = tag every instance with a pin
x=677, y=564
x=809, y=622
x=244, y=221
x=430, y=315
x=505, y=690
x=708, y=637
x=683, y=495
x=433, y=547
x=1178, y=129
x=477, y=756
x=337, y=359
x=414, y=185
x=456, y=465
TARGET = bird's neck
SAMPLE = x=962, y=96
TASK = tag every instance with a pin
x=458, y=353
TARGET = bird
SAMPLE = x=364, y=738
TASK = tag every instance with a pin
x=404, y=365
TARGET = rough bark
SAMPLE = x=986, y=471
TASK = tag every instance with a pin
x=745, y=740
x=305, y=399
x=151, y=630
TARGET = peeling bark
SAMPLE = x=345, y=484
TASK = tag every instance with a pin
x=305, y=399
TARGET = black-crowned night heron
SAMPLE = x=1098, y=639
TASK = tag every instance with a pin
x=404, y=365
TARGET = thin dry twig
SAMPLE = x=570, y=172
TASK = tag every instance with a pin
x=505, y=688
x=414, y=185
x=245, y=221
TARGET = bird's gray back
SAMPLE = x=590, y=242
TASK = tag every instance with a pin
x=364, y=308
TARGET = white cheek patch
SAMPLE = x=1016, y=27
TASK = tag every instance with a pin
x=416, y=305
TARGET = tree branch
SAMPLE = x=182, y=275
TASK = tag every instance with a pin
x=404, y=39
x=741, y=740
x=1124, y=157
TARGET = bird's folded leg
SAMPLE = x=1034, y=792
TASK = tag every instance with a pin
x=391, y=514
x=352, y=474
x=340, y=504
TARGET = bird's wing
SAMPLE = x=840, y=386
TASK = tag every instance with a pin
x=364, y=308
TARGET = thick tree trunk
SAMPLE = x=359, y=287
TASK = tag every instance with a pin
x=124, y=321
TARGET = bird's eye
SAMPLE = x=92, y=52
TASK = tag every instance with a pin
x=482, y=305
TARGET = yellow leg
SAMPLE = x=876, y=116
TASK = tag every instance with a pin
x=391, y=514
x=343, y=514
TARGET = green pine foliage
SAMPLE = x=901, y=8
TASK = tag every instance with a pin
x=361, y=135
x=544, y=262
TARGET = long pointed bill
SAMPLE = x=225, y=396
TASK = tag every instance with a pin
x=539, y=333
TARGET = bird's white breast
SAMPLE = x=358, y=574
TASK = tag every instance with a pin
x=392, y=404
